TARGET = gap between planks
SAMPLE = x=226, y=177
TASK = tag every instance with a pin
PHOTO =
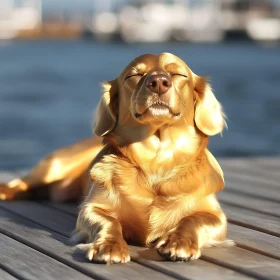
x=7, y=274
x=180, y=270
x=229, y=265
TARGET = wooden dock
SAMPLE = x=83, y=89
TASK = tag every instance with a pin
x=33, y=236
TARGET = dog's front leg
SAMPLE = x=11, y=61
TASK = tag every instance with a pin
x=104, y=235
x=185, y=241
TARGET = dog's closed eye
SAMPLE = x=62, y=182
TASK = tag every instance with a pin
x=179, y=74
x=133, y=75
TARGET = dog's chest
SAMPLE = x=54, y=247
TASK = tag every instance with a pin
x=150, y=202
x=146, y=219
x=150, y=212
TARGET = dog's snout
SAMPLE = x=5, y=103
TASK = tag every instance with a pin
x=159, y=83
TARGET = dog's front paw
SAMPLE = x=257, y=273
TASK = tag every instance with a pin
x=178, y=247
x=108, y=251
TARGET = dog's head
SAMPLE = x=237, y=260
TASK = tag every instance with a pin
x=157, y=90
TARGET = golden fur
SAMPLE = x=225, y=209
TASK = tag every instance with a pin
x=153, y=179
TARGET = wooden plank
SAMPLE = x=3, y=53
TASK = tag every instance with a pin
x=54, y=245
x=198, y=269
x=262, y=164
x=248, y=202
x=179, y=271
x=245, y=261
x=250, y=219
x=253, y=190
x=251, y=179
x=4, y=275
x=249, y=168
x=256, y=241
x=44, y=216
x=28, y=263
x=273, y=163
x=69, y=208
x=239, y=259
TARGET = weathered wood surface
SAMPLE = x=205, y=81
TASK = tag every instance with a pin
x=34, y=236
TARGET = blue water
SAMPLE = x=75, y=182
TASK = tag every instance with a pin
x=48, y=90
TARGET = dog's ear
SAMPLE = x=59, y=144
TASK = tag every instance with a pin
x=209, y=116
x=107, y=109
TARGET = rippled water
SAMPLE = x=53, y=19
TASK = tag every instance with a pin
x=48, y=90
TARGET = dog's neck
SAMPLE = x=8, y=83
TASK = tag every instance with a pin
x=165, y=146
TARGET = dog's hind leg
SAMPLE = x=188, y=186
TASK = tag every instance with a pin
x=60, y=176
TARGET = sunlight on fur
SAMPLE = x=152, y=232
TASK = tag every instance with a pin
x=147, y=176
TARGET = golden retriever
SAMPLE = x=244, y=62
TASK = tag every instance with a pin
x=153, y=179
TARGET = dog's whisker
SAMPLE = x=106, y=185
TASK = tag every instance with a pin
x=184, y=106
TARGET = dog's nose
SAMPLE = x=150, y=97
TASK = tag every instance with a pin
x=159, y=83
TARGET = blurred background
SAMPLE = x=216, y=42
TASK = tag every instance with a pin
x=55, y=53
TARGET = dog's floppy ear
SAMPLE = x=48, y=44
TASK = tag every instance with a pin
x=107, y=109
x=209, y=116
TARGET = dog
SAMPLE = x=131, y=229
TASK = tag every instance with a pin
x=152, y=178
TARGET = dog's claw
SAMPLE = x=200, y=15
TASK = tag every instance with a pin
x=107, y=252
x=176, y=247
